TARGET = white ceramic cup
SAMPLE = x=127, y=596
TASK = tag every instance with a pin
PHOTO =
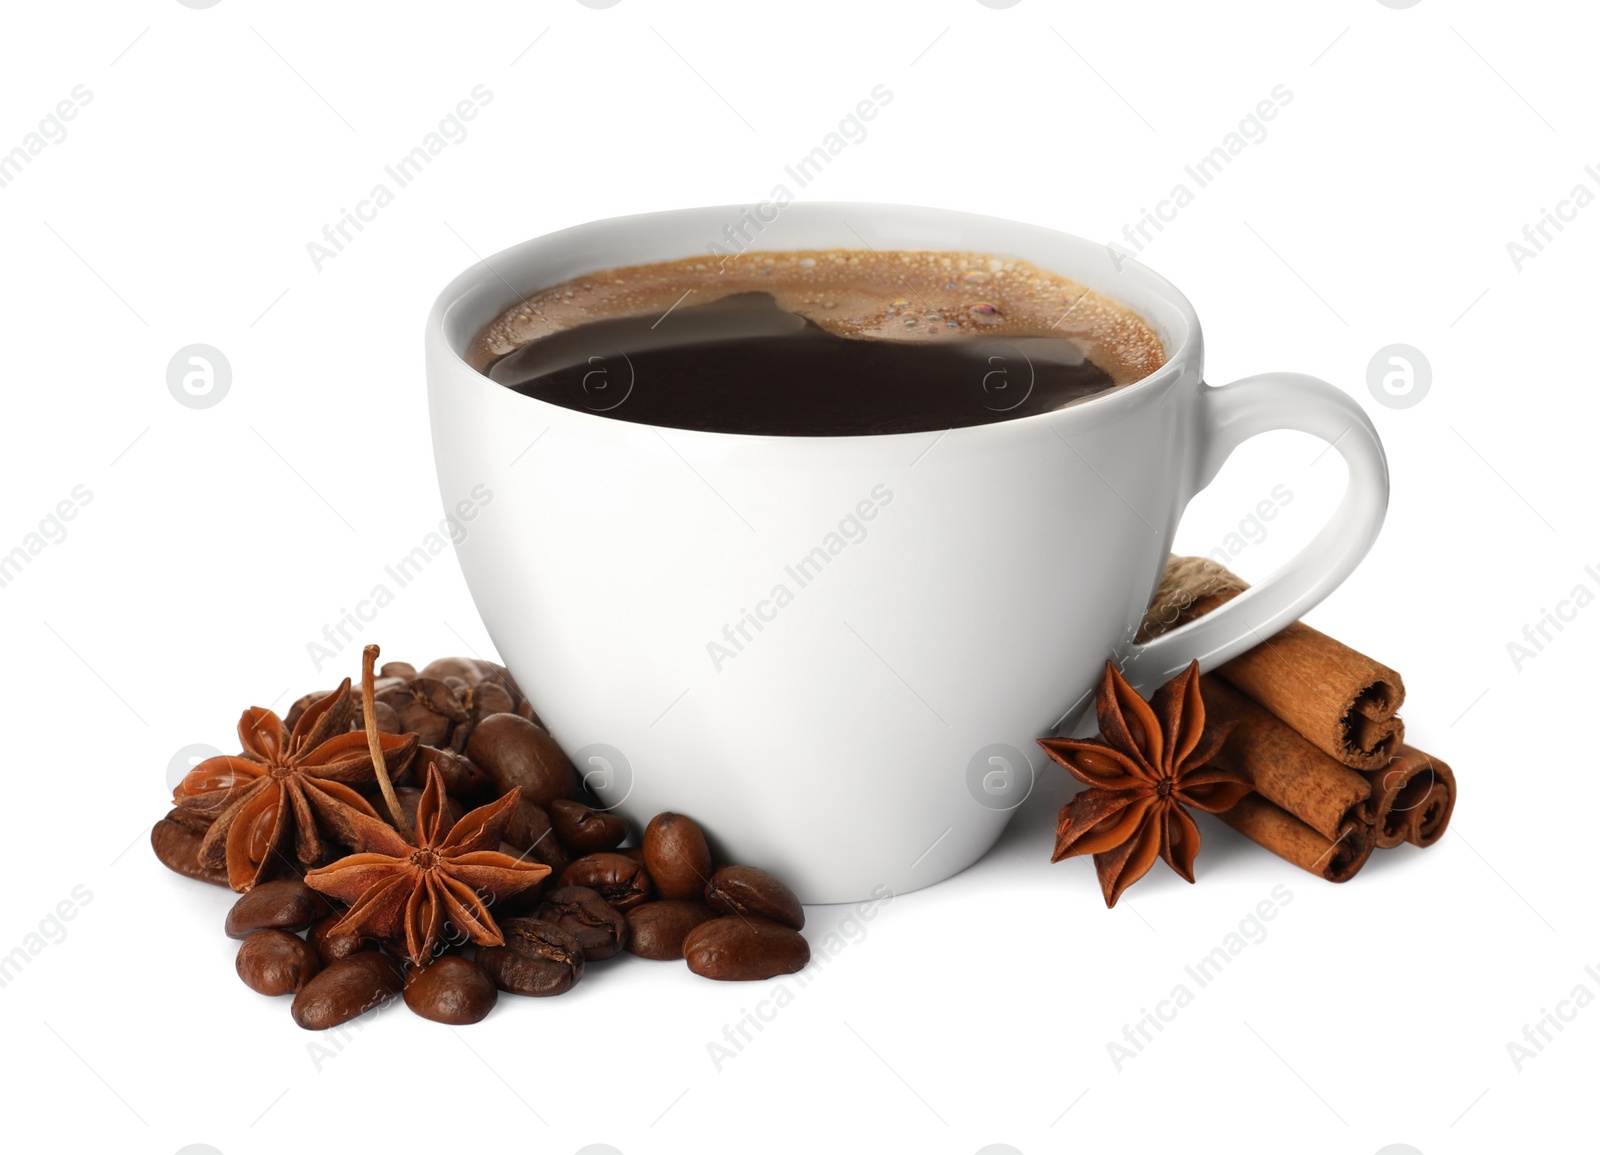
x=836, y=652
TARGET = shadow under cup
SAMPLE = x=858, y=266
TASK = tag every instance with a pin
x=834, y=652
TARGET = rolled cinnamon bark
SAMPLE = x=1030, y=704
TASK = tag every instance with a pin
x=1433, y=815
x=1341, y=701
x=1287, y=770
x=1335, y=859
x=1185, y=583
x=1411, y=801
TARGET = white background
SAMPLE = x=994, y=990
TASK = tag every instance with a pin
x=219, y=542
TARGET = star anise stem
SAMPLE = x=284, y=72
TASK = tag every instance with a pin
x=369, y=715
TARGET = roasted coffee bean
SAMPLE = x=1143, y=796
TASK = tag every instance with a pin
x=275, y=962
x=529, y=824
x=487, y=698
x=676, y=855
x=600, y=928
x=430, y=709
x=479, y=674
x=410, y=797
x=393, y=692
x=396, y=949
x=388, y=720
x=177, y=845
x=656, y=930
x=285, y=904
x=496, y=674
x=530, y=830
x=515, y=752
x=463, y=781
x=299, y=705
x=452, y=989
x=744, y=948
x=584, y=830
x=332, y=947
x=620, y=880
x=746, y=890
x=525, y=710
x=385, y=683
x=539, y=958
x=347, y=988
x=473, y=784
x=466, y=670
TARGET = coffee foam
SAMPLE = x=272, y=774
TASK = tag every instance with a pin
x=918, y=295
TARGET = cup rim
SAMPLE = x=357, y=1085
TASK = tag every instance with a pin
x=496, y=280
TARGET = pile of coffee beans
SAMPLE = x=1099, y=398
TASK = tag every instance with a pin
x=660, y=895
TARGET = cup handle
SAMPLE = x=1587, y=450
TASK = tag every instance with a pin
x=1231, y=415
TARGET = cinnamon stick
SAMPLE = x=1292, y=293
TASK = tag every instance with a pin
x=1335, y=859
x=1341, y=701
x=1411, y=800
x=1287, y=770
x=1433, y=815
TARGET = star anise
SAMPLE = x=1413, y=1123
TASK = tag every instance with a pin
x=396, y=888
x=1150, y=762
x=286, y=786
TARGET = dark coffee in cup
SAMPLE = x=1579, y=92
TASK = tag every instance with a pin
x=818, y=343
